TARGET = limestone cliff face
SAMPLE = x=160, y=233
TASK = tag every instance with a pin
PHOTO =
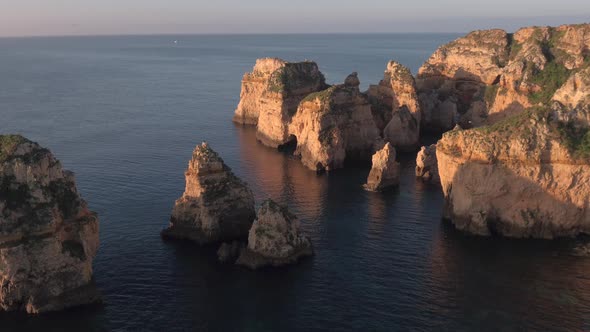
x=427, y=165
x=216, y=205
x=48, y=237
x=395, y=106
x=488, y=75
x=334, y=125
x=385, y=170
x=271, y=94
x=575, y=90
x=274, y=239
x=525, y=176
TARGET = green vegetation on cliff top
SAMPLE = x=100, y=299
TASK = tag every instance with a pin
x=294, y=76
x=551, y=78
x=8, y=144
x=576, y=138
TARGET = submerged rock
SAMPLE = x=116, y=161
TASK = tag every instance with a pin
x=385, y=170
x=334, y=125
x=216, y=205
x=274, y=239
x=426, y=164
x=48, y=236
x=396, y=108
x=271, y=93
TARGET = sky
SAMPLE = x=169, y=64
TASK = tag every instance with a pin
x=114, y=17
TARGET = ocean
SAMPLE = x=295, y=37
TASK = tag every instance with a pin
x=124, y=113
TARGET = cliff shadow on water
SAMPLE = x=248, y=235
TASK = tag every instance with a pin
x=485, y=282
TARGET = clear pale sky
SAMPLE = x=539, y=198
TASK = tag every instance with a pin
x=67, y=17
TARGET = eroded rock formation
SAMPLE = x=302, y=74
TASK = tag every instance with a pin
x=488, y=75
x=271, y=94
x=274, y=239
x=426, y=164
x=216, y=205
x=385, y=170
x=228, y=252
x=48, y=237
x=395, y=107
x=525, y=176
x=334, y=125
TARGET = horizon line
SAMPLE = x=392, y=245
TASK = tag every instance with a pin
x=233, y=34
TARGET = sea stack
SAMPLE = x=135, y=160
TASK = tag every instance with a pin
x=271, y=94
x=274, y=239
x=216, y=205
x=334, y=125
x=385, y=171
x=426, y=164
x=48, y=236
x=396, y=108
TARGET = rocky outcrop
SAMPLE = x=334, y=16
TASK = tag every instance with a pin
x=229, y=252
x=395, y=107
x=271, y=94
x=48, y=237
x=525, y=176
x=274, y=239
x=575, y=91
x=334, y=125
x=216, y=205
x=426, y=164
x=489, y=75
x=385, y=171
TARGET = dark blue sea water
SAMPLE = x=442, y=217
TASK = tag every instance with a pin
x=124, y=113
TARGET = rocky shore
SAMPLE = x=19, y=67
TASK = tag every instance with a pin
x=48, y=236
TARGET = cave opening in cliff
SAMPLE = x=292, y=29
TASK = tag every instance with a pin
x=290, y=146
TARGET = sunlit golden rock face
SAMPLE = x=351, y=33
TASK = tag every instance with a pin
x=216, y=205
x=335, y=125
x=384, y=171
x=396, y=108
x=525, y=176
x=271, y=94
x=489, y=75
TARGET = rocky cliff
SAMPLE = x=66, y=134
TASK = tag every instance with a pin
x=488, y=75
x=427, y=165
x=334, y=125
x=271, y=94
x=524, y=176
x=216, y=205
x=48, y=237
x=274, y=239
x=396, y=108
x=385, y=170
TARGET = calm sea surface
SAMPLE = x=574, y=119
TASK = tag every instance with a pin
x=124, y=113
